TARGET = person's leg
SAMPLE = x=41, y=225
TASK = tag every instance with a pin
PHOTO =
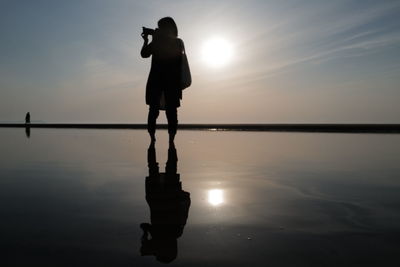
x=151, y=122
x=172, y=117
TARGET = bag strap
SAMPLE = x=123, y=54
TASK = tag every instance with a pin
x=182, y=46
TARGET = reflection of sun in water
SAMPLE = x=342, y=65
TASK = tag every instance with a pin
x=217, y=52
x=215, y=197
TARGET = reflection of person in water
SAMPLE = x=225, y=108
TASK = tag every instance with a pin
x=169, y=208
x=28, y=131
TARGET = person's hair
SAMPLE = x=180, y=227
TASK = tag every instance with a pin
x=168, y=24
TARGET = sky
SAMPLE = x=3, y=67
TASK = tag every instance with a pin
x=293, y=61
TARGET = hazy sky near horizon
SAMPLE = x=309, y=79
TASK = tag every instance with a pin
x=293, y=61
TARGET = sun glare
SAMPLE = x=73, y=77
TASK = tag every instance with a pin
x=217, y=52
x=215, y=197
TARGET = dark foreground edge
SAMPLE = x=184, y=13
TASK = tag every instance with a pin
x=329, y=128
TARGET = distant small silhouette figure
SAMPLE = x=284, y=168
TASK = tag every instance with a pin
x=164, y=85
x=28, y=118
x=169, y=208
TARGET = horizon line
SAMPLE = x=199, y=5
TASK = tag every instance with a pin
x=262, y=127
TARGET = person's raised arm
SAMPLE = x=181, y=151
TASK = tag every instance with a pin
x=146, y=48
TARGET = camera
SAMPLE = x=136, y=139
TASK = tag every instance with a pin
x=148, y=31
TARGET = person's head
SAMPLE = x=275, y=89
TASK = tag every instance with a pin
x=168, y=26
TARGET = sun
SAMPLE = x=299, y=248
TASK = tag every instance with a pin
x=217, y=52
x=215, y=197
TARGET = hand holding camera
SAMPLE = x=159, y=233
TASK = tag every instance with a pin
x=146, y=32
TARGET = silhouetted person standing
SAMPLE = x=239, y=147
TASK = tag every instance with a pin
x=163, y=90
x=28, y=118
x=169, y=208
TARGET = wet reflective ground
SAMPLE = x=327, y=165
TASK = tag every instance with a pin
x=103, y=198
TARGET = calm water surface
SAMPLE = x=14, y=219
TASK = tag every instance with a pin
x=78, y=198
